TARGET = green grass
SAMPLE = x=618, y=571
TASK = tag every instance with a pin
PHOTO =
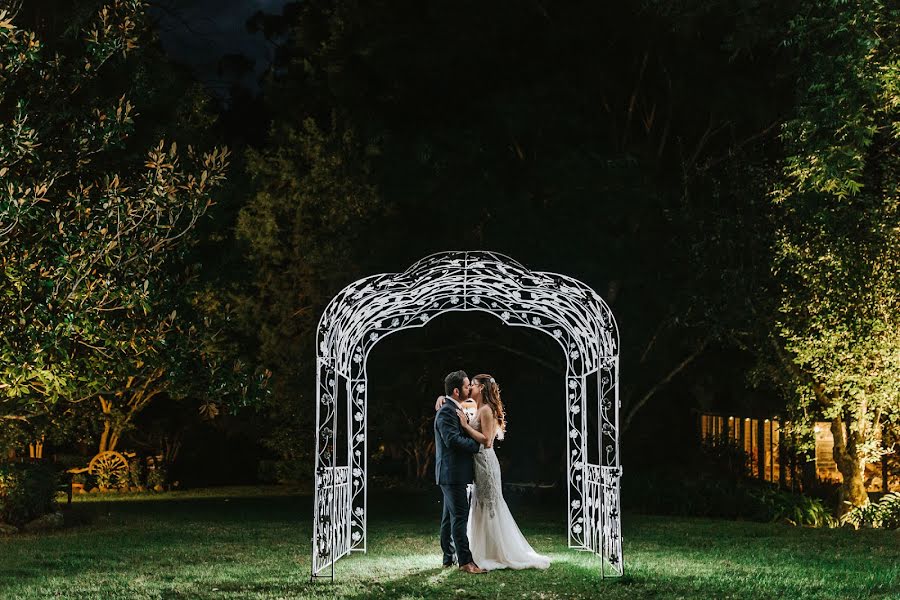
x=254, y=543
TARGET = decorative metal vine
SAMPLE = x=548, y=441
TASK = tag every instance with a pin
x=370, y=309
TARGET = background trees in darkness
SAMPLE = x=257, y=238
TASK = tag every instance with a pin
x=723, y=174
x=601, y=142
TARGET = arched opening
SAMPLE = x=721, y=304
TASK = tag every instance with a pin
x=406, y=373
x=369, y=310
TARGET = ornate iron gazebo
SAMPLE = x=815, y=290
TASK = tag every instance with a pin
x=372, y=308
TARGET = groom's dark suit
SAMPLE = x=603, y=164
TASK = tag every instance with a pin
x=453, y=470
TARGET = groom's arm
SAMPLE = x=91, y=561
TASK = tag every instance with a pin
x=446, y=421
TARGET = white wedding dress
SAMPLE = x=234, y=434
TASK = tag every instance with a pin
x=494, y=537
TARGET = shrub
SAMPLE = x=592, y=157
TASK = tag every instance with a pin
x=282, y=471
x=111, y=480
x=884, y=514
x=135, y=473
x=724, y=459
x=705, y=496
x=27, y=491
x=290, y=471
x=773, y=504
x=157, y=476
x=266, y=471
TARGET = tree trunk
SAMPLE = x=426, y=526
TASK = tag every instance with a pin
x=109, y=439
x=173, y=446
x=114, y=438
x=104, y=438
x=851, y=466
x=135, y=399
x=423, y=460
x=106, y=407
x=888, y=443
x=423, y=468
x=410, y=460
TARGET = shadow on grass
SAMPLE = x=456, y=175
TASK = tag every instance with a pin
x=564, y=579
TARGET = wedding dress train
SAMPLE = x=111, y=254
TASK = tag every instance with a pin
x=494, y=538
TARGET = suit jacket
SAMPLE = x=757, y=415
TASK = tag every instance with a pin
x=453, y=449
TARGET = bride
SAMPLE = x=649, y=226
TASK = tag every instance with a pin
x=494, y=537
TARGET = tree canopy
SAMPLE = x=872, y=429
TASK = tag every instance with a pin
x=96, y=296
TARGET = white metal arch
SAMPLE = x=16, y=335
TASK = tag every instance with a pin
x=370, y=309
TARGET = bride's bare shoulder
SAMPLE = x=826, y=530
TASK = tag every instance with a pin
x=485, y=413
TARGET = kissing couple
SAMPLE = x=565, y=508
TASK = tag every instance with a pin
x=484, y=536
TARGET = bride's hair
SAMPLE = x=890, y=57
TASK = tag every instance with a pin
x=491, y=396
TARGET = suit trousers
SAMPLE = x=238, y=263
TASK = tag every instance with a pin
x=453, y=524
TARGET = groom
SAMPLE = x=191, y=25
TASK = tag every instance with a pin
x=453, y=470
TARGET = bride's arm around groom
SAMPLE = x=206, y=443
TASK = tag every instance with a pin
x=448, y=427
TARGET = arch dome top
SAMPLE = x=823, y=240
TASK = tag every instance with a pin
x=369, y=309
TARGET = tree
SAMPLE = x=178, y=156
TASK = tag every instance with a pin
x=837, y=248
x=91, y=238
x=561, y=135
x=302, y=228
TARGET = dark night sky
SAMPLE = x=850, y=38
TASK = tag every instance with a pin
x=199, y=32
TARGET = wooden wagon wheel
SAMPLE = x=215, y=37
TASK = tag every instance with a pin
x=110, y=468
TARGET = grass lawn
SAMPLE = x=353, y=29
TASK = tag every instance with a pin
x=254, y=543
